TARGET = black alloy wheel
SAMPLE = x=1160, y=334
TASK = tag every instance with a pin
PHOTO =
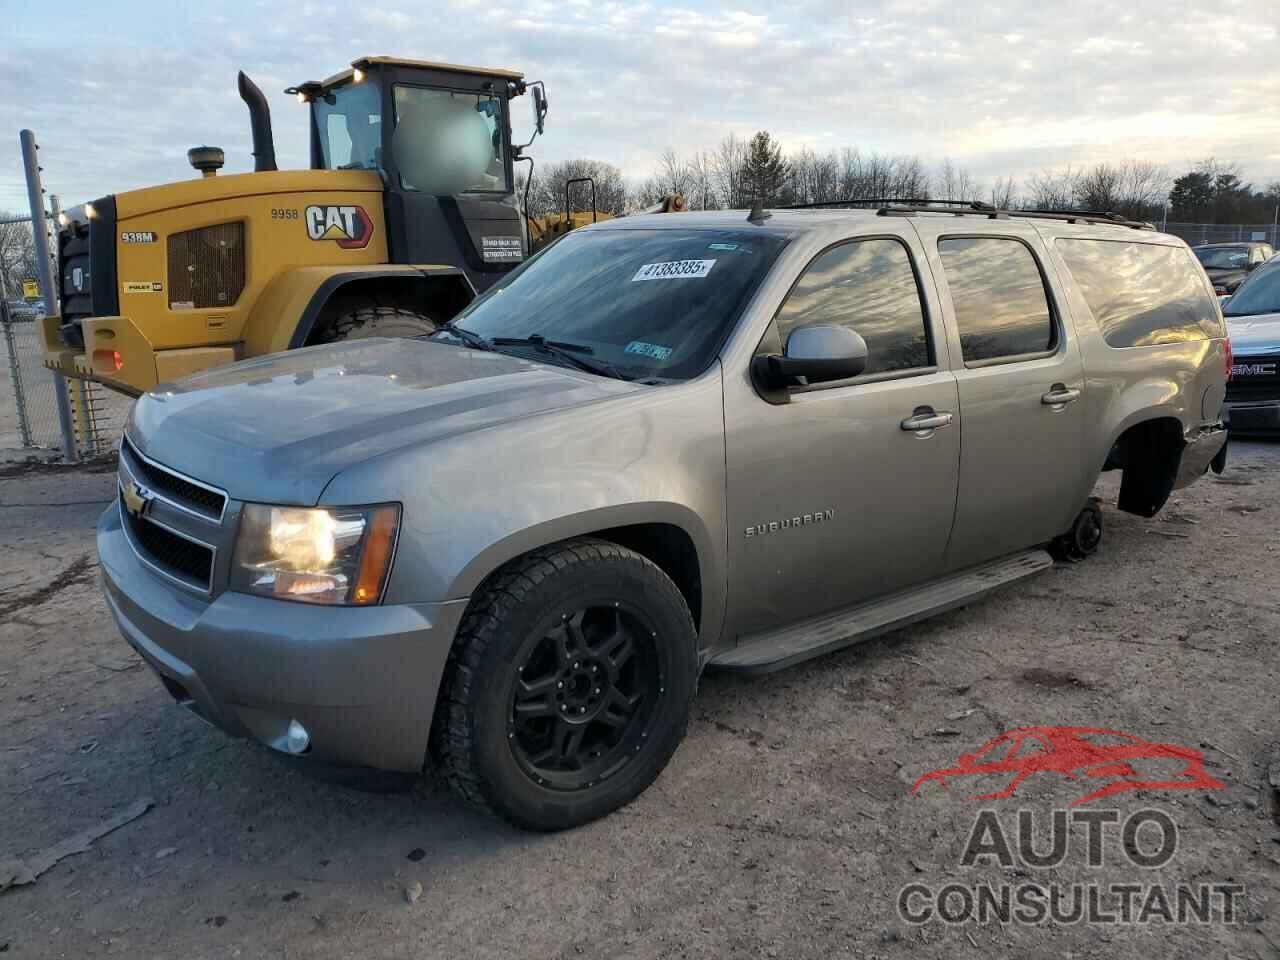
x=586, y=694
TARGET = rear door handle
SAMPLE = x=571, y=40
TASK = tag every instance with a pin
x=1059, y=395
x=926, y=421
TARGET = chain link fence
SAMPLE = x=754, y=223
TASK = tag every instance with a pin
x=1194, y=233
x=28, y=404
x=28, y=407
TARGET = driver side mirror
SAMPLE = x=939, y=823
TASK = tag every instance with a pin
x=539, y=106
x=817, y=353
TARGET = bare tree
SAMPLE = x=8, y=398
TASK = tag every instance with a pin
x=815, y=178
x=702, y=177
x=547, y=192
x=1054, y=189
x=728, y=166
x=955, y=183
x=1004, y=193
x=1144, y=186
x=867, y=176
x=1135, y=188
x=17, y=254
x=1099, y=188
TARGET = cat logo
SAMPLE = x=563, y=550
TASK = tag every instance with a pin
x=349, y=226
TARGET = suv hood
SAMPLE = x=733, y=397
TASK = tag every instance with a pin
x=279, y=428
x=1254, y=334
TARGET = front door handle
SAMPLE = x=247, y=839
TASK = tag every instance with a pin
x=919, y=422
x=1059, y=395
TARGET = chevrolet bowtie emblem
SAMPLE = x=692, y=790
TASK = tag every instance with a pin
x=136, y=498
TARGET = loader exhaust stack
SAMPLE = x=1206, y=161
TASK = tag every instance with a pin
x=264, y=151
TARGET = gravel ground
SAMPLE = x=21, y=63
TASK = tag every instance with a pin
x=784, y=827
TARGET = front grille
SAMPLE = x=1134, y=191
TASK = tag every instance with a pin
x=1254, y=378
x=174, y=487
x=206, y=266
x=168, y=551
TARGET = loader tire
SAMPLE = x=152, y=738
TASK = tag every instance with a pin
x=378, y=322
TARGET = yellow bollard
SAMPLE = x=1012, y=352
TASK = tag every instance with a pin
x=78, y=392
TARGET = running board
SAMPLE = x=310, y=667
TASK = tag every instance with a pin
x=776, y=649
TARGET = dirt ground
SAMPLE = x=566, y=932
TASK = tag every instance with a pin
x=784, y=827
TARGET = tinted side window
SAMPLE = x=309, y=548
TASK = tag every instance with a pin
x=999, y=298
x=868, y=286
x=1142, y=294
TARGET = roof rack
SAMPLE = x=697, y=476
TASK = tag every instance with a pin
x=875, y=201
x=978, y=208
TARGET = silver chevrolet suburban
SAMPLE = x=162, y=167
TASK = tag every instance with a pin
x=666, y=443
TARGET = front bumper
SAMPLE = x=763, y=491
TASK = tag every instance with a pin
x=1253, y=416
x=118, y=355
x=361, y=680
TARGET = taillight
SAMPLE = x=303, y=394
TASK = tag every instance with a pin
x=109, y=358
x=1230, y=356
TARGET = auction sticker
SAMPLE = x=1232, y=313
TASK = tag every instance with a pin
x=648, y=350
x=674, y=270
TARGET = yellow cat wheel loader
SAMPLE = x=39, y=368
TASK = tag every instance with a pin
x=408, y=210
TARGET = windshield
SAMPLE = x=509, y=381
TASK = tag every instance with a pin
x=1223, y=258
x=447, y=142
x=651, y=303
x=1259, y=294
x=349, y=125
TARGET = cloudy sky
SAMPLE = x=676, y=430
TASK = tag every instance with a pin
x=117, y=90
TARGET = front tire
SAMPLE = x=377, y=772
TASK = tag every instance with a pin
x=569, y=686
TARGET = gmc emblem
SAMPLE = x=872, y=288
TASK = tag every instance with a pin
x=1254, y=369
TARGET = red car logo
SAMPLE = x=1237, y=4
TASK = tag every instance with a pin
x=1078, y=753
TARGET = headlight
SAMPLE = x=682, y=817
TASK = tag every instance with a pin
x=333, y=555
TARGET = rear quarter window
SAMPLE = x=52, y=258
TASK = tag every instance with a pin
x=1142, y=294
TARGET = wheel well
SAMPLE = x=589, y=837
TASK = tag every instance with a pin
x=671, y=550
x=1149, y=453
x=440, y=298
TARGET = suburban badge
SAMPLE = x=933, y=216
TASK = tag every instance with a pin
x=799, y=520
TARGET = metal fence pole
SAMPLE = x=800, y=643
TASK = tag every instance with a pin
x=44, y=271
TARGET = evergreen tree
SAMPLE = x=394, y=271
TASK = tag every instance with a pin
x=1191, y=198
x=765, y=172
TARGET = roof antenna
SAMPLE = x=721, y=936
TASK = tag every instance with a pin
x=758, y=213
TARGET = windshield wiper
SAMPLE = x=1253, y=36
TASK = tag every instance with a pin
x=575, y=353
x=473, y=340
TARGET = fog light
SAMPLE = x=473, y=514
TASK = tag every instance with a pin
x=297, y=739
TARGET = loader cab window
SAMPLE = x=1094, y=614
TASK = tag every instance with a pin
x=350, y=128
x=448, y=142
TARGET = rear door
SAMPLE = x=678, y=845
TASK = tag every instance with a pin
x=1020, y=379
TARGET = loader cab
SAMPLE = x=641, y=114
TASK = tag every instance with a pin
x=439, y=135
